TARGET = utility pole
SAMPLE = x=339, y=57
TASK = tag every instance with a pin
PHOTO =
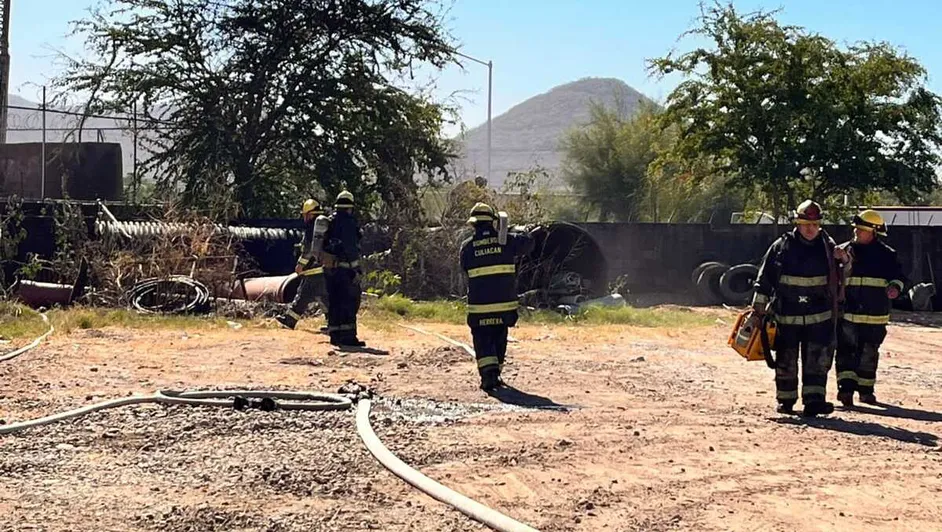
x=490, y=85
x=4, y=67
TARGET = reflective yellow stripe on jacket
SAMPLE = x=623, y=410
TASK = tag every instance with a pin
x=865, y=319
x=795, y=280
x=313, y=271
x=808, y=319
x=492, y=307
x=875, y=282
x=497, y=269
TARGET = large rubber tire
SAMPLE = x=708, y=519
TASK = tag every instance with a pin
x=736, y=285
x=708, y=284
x=695, y=275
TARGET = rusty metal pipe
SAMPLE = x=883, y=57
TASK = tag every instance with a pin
x=278, y=289
x=37, y=294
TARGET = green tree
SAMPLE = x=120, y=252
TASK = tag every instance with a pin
x=606, y=162
x=260, y=103
x=622, y=168
x=786, y=112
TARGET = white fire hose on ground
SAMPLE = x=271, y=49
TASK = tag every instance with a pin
x=17, y=352
x=308, y=401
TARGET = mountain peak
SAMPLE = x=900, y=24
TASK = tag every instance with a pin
x=529, y=133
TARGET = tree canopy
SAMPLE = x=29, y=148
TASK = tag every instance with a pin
x=605, y=162
x=786, y=111
x=621, y=167
x=260, y=103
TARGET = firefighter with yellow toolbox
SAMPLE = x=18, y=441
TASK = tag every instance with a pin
x=342, y=272
x=489, y=260
x=312, y=287
x=799, y=284
x=873, y=276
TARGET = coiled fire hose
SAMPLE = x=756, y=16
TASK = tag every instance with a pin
x=309, y=401
x=177, y=294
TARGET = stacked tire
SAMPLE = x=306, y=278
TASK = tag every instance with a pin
x=717, y=283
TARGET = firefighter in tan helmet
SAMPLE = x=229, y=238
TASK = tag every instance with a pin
x=874, y=277
x=489, y=258
x=798, y=283
x=312, y=287
x=342, y=272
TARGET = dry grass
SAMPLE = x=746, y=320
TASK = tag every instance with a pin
x=19, y=323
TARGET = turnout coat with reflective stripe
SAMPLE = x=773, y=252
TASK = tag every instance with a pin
x=492, y=276
x=875, y=267
x=308, y=259
x=795, y=276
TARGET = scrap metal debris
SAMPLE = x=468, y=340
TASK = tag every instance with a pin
x=177, y=294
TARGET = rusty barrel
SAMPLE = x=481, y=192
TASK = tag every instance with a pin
x=37, y=294
x=278, y=289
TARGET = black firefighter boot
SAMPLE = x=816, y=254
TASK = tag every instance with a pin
x=868, y=398
x=346, y=340
x=846, y=397
x=286, y=321
x=490, y=378
x=353, y=341
x=786, y=407
x=818, y=408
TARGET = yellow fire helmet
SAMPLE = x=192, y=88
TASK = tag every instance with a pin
x=870, y=220
x=311, y=205
x=481, y=212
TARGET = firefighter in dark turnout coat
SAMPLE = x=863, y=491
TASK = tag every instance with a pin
x=873, y=277
x=342, y=272
x=492, y=290
x=799, y=284
x=312, y=287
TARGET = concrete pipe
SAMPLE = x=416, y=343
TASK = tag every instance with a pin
x=37, y=294
x=564, y=252
x=277, y=289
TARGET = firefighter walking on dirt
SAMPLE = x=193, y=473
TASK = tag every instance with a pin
x=489, y=263
x=312, y=287
x=873, y=277
x=799, y=283
x=342, y=272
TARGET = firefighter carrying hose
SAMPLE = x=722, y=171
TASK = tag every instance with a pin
x=342, y=272
x=312, y=287
x=799, y=284
x=492, y=289
x=873, y=277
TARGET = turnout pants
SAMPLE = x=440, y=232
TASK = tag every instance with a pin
x=858, y=353
x=489, y=335
x=814, y=346
x=490, y=347
x=343, y=295
x=311, y=289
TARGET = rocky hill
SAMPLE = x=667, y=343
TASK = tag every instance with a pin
x=530, y=132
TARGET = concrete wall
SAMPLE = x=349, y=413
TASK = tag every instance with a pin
x=660, y=257
x=84, y=171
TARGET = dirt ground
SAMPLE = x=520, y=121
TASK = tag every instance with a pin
x=604, y=428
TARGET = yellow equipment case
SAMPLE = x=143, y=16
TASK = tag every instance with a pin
x=747, y=339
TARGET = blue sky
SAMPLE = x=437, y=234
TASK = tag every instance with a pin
x=538, y=44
